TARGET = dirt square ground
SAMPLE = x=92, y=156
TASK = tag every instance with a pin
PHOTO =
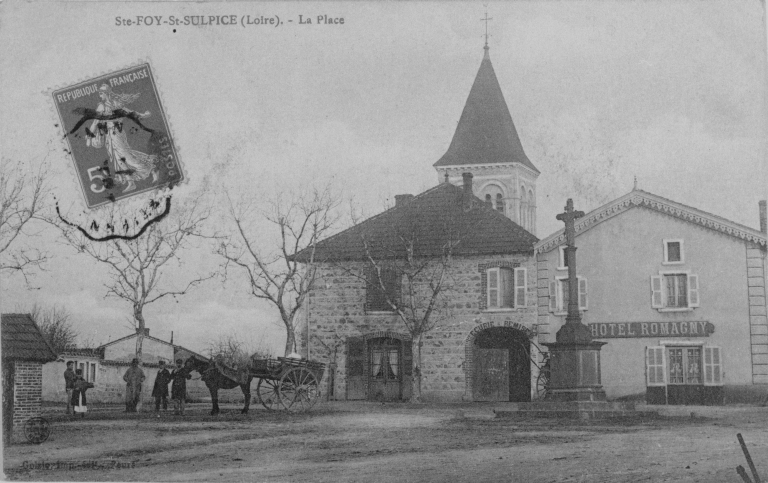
x=356, y=442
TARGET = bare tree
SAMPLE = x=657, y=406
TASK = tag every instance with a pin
x=22, y=193
x=139, y=267
x=275, y=275
x=56, y=325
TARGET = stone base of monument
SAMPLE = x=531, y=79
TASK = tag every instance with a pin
x=585, y=410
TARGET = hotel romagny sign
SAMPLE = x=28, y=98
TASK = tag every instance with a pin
x=614, y=330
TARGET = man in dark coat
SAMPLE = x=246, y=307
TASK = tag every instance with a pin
x=179, y=387
x=69, y=383
x=160, y=390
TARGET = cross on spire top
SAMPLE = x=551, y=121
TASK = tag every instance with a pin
x=486, y=19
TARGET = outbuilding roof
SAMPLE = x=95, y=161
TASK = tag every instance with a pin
x=486, y=133
x=23, y=340
x=443, y=214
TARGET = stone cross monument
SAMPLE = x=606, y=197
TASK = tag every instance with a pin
x=575, y=357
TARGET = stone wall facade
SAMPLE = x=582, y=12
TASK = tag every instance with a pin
x=336, y=312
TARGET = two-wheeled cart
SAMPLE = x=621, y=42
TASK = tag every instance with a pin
x=292, y=384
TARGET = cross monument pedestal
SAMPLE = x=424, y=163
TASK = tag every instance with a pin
x=575, y=389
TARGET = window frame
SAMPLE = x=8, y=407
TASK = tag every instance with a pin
x=518, y=293
x=693, y=295
x=561, y=258
x=560, y=308
x=397, y=287
x=666, y=243
x=711, y=364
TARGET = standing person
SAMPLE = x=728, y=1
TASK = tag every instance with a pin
x=133, y=378
x=160, y=390
x=78, y=394
x=69, y=382
x=179, y=387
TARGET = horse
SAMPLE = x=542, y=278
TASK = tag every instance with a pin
x=214, y=379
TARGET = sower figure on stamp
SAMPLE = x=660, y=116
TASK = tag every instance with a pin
x=160, y=389
x=133, y=378
x=69, y=383
x=179, y=387
x=130, y=165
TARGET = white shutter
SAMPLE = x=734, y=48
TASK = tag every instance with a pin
x=657, y=300
x=553, y=296
x=693, y=290
x=713, y=367
x=582, y=293
x=655, y=370
x=521, y=286
x=493, y=287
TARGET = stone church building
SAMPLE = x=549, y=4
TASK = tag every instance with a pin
x=678, y=293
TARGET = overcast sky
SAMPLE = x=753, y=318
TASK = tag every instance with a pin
x=672, y=92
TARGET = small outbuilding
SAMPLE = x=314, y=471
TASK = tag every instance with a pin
x=24, y=351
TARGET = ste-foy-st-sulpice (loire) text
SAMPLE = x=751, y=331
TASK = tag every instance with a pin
x=223, y=20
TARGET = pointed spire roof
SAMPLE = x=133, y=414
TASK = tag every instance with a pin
x=486, y=133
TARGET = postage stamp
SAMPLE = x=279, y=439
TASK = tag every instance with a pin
x=118, y=135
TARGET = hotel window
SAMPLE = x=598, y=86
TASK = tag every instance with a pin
x=673, y=252
x=505, y=287
x=674, y=291
x=683, y=365
x=559, y=295
x=562, y=263
x=376, y=298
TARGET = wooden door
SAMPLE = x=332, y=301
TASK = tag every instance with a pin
x=355, y=368
x=385, y=370
x=491, y=378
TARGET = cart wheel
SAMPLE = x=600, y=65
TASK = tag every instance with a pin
x=541, y=384
x=298, y=389
x=268, y=393
x=37, y=430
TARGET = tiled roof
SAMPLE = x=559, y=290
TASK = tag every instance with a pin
x=430, y=219
x=82, y=352
x=22, y=339
x=486, y=133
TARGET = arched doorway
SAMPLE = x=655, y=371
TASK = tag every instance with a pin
x=379, y=367
x=502, y=365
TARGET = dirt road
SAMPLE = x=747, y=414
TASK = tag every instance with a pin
x=346, y=442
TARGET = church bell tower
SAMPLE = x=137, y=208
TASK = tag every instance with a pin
x=486, y=144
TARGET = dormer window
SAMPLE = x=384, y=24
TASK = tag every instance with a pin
x=673, y=252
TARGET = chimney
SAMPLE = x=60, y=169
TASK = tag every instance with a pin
x=467, y=177
x=763, y=216
x=400, y=200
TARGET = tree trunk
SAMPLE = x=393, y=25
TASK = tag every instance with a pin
x=290, y=340
x=139, y=317
x=416, y=371
x=137, y=309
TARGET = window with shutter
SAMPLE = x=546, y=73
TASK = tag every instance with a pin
x=504, y=287
x=674, y=291
x=553, y=296
x=563, y=294
x=654, y=366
